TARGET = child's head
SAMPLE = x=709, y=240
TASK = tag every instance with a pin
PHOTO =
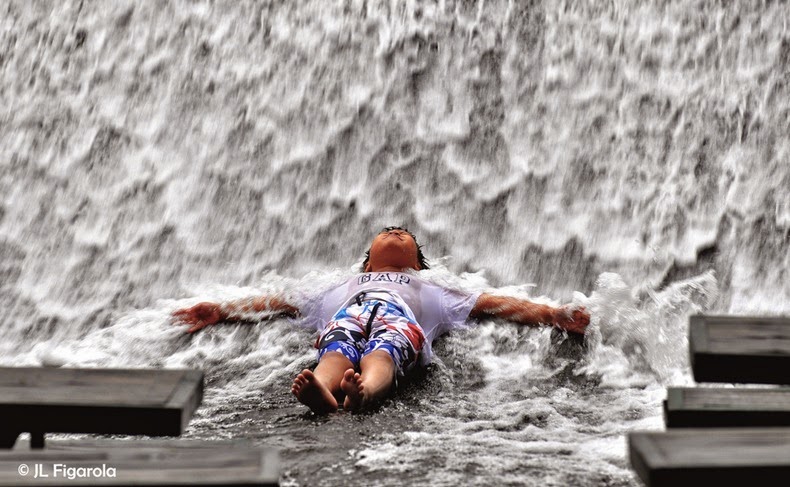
x=394, y=247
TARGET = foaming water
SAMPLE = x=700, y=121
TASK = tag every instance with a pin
x=503, y=403
x=630, y=157
x=634, y=340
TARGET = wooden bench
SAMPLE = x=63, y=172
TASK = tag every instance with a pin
x=101, y=401
x=740, y=349
x=145, y=463
x=696, y=457
x=726, y=407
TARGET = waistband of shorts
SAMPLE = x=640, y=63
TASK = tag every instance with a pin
x=379, y=300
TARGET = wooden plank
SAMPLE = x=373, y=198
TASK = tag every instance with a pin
x=186, y=397
x=740, y=349
x=102, y=401
x=727, y=456
x=133, y=387
x=726, y=407
x=149, y=463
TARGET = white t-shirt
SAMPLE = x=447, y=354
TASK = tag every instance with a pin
x=435, y=308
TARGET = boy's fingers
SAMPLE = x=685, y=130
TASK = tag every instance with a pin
x=188, y=319
x=199, y=326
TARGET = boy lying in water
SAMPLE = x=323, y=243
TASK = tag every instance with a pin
x=381, y=323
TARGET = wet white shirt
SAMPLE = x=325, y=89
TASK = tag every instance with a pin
x=435, y=308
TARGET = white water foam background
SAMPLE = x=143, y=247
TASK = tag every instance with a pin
x=631, y=156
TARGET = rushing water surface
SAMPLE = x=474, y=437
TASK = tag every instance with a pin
x=631, y=156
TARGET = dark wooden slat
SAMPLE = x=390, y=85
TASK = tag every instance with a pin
x=149, y=463
x=186, y=397
x=726, y=407
x=104, y=401
x=740, y=349
x=133, y=387
x=694, y=457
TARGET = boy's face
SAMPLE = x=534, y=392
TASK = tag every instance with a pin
x=393, y=249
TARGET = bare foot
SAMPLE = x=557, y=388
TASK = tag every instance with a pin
x=352, y=386
x=313, y=393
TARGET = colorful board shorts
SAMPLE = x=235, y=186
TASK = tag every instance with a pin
x=367, y=326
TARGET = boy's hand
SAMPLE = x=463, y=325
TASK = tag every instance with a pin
x=572, y=318
x=199, y=316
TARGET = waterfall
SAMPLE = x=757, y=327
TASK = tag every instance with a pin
x=629, y=156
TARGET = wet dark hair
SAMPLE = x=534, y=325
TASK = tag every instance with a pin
x=420, y=257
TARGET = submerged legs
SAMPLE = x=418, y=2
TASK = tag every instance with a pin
x=320, y=389
x=334, y=378
x=370, y=386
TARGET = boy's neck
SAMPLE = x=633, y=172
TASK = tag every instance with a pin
x=389, y=268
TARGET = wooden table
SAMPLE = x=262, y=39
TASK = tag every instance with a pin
x=726, y=407
x=101, y=401
x=712, y=456
x=141, y=463
x=740, y=349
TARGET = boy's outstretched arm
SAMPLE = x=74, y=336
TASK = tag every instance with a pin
x=204, y=314
x=572, y=319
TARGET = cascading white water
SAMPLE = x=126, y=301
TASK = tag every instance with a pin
x=629, y=156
